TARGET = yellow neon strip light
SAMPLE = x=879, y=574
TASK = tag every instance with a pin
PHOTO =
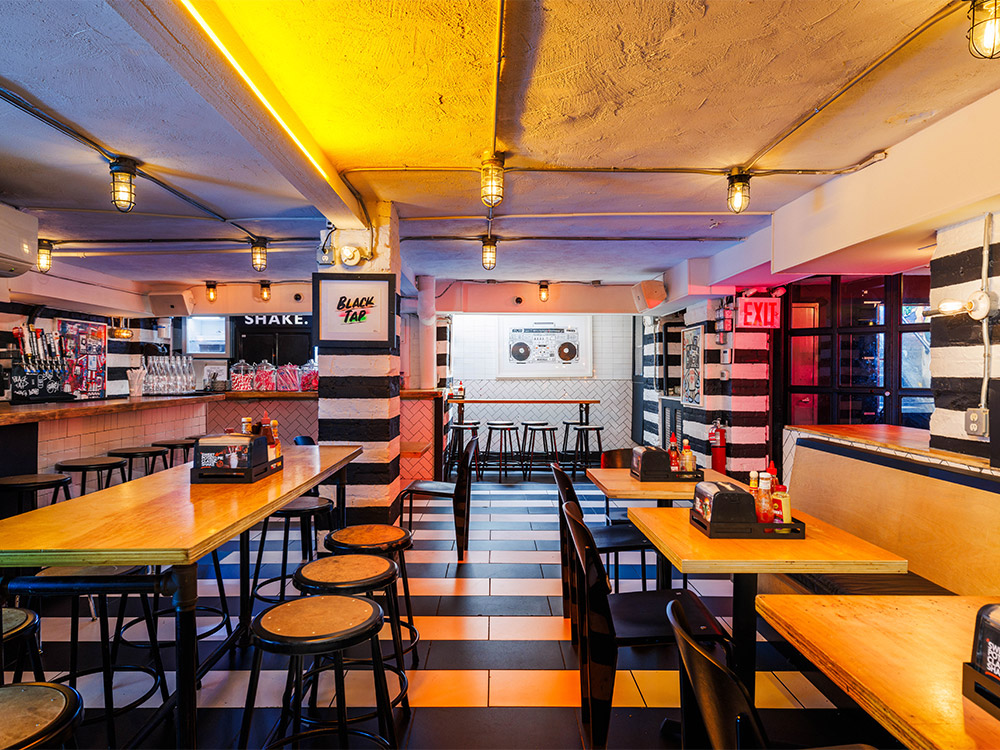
x=253, y=87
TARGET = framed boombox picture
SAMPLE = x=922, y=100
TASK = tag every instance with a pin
x=558, y=346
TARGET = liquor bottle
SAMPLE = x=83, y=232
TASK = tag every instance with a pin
x=675, y=457
x=765, y=507
x=688, y=461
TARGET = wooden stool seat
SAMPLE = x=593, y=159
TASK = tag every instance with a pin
x=369, y=536
x=103, y=465
x=38, y=714
x=317, y=624
x=359, y=573
x=17, y=620
x=305, y=504
x=177, y=444
x=195, y=437
x=149, y=453
x=25, y=485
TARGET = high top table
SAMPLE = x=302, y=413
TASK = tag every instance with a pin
x=584, y=404
x=163, y=519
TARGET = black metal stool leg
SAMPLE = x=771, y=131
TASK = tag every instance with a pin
x=260, y=555
x=387, y=727
x=223, y=599
x=284, y=559
x=258, y=655
x=107, y=670
x=338, y=672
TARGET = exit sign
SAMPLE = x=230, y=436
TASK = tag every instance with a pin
x=758, y=312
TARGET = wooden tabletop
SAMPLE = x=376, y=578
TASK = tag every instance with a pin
x=524, y=400
x=619, y=484
x=161, y=519
x=825, y=549
x=70, y=409
x=413, y=449
x=899, y=657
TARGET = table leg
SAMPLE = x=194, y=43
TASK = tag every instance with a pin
x=341, y=477
x=745, y=629
x=185, y=582
x=461, y=413
x=246, y=599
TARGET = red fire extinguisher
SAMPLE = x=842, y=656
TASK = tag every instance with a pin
x=717, y=439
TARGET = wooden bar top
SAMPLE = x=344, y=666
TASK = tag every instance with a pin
x=899, y=657
x=619, y=484
x=524, y=401
x=70, y=409
x=414, y=394
x=825, y=549
x=161, y=519
x=277, y=395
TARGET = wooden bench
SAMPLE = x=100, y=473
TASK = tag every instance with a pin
x=943, y=522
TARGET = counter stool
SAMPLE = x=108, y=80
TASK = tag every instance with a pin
x=38, y=714
x=384, y=540
x=24, y=486
x=461, y=432
x=550, y=454
x=20, y=628
x=318, y=626
x=351, y=575
x=184, y=445
x=148, y=454
x=306, y=509
x=196, y=437
x=509, y=440
x=103, y=465
x=582, y=454
x=569, y=424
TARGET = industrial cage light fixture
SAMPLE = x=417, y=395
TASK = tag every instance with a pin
x=211, y=291
x=258, y=254
x=44, y=261
x=984, y=29
x=123, y=172
x=738, y=197
x=491, y=180
x=543, y=291
x=489, y=253
x=265, y=291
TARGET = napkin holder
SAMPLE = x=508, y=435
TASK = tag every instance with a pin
x=651, y=464
x=981, y=676
x=233, y=459
x=723, y=510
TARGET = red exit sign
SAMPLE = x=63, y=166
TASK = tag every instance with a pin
x=758, y=312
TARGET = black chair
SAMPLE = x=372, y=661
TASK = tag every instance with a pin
x=725, y=715
x=619, y=458
x=303, y=440
x=39, y=714
x=608, y=621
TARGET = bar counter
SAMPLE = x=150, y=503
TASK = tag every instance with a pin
x=26, y=413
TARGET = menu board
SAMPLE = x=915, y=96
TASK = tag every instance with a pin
x=86, y=346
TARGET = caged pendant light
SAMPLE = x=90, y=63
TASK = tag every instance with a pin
x=738, y=197
x=123, y=172
x=44, y=262
x=258, y=254
x=491, y=180
x=489, y=253
x=211, y=291
x=984, y=29
x=265, y=291
x=543, y=291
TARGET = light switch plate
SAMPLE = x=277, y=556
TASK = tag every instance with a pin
x=977, y=422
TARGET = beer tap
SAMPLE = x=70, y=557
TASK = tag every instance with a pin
x=33, y=346
x=57, y=347
x=19, y=338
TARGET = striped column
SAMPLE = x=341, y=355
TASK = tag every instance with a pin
x=443, y=351
x=652, y=362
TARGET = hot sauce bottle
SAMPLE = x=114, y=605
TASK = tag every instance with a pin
x=765, y=507
x=675, y=457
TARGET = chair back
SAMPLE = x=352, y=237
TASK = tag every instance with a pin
x=565, y=489
x=462, y=499
x=620, y=458
x=729, y=717
x=303, y=440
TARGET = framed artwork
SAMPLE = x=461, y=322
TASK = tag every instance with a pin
x=86, y=357
x=354, y=310
x=554, y=346
x=692, y=357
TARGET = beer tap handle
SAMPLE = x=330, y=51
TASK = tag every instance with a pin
x=19, y=338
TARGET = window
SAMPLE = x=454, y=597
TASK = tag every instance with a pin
x=858, y=351
x=206, y=335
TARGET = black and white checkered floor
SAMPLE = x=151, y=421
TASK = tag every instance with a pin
x=496, y=668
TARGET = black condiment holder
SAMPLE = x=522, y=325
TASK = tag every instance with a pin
x=981, y=689
x=733, y=516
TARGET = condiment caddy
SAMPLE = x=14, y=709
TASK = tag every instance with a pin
x=724, y=510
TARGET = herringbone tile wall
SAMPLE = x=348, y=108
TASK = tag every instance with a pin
x=416, y=424
x=295, y=416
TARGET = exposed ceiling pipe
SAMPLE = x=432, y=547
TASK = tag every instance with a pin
x=116, y=212
x=147, y=253
x=581, y=215
x=166, y=240
x=499, y=66
x=564, y=238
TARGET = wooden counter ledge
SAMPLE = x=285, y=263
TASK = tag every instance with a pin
x=70, y=409
x=250, y=395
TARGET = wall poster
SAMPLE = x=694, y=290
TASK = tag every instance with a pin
x=86, y=346
x=556, y=346
x=354, y=310
x=692, y=357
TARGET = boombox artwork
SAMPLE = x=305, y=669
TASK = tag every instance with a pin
x=555, y=346
x=558, y=347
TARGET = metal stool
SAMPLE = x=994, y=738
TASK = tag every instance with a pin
x=549, y=452
x=318, y=626
x=20, y=627
x=39, y=714
x=148, y=454
x=568, y=424
x=103, y=465
x=172, y=445
x=458, y=441
x=524, y=442
x=26, y=485
x=507, y=435
x=384, y=540
x=582, y=451
x=305, y=509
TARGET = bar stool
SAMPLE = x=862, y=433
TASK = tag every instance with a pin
x=582, y=451
x=148, y=453
x=460, y=434
x=172, y=445
x=366, y=575
x=306, y=509
x=318, y=626
x=524, y=441
x=26, y=485
x=39, y=714
x=196, y=437
x=20, y=627
x=549, y=452
x=103, y=465
x=569, y=424
x=384, y=540
x=507, y=432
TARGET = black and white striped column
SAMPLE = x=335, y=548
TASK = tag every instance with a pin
x=443, y=351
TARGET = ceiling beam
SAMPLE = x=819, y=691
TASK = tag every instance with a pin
x=251, y=104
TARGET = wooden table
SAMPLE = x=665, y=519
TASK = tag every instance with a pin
x=825, y=549
x=584, y=404
x=163, y=519
x=619, y=484
x=899, y=657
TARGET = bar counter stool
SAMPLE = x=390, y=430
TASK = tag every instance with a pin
x=550, y=454
x=509, y=445
x=461, y=432
x=306, y=510
x=20, y=628
x=38, y=714
x=569, y=424
x=104, y=466
x=384, y=540
x=24, y=486
x=148, y=453
x=524, y=443
x=318, y=626
x=184, y=445
x=581, y=455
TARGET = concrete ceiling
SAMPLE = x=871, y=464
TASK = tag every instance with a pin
x=381, y=85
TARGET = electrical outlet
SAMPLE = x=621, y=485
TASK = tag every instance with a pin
x=977, y=422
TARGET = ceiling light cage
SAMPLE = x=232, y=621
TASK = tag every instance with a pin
x=738, y=197
x=265, y=291
x=123, y=171
x=122, y=330
x=258, y=254
x=984, y=29
x=543, y=291
x=211, y=291
x=44, y=262
x=489, y=253
x=491, y=180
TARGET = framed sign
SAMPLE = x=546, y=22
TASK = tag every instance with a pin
x=354, y=310
x=86, y=357
x=692, y=357
x=555, y=346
